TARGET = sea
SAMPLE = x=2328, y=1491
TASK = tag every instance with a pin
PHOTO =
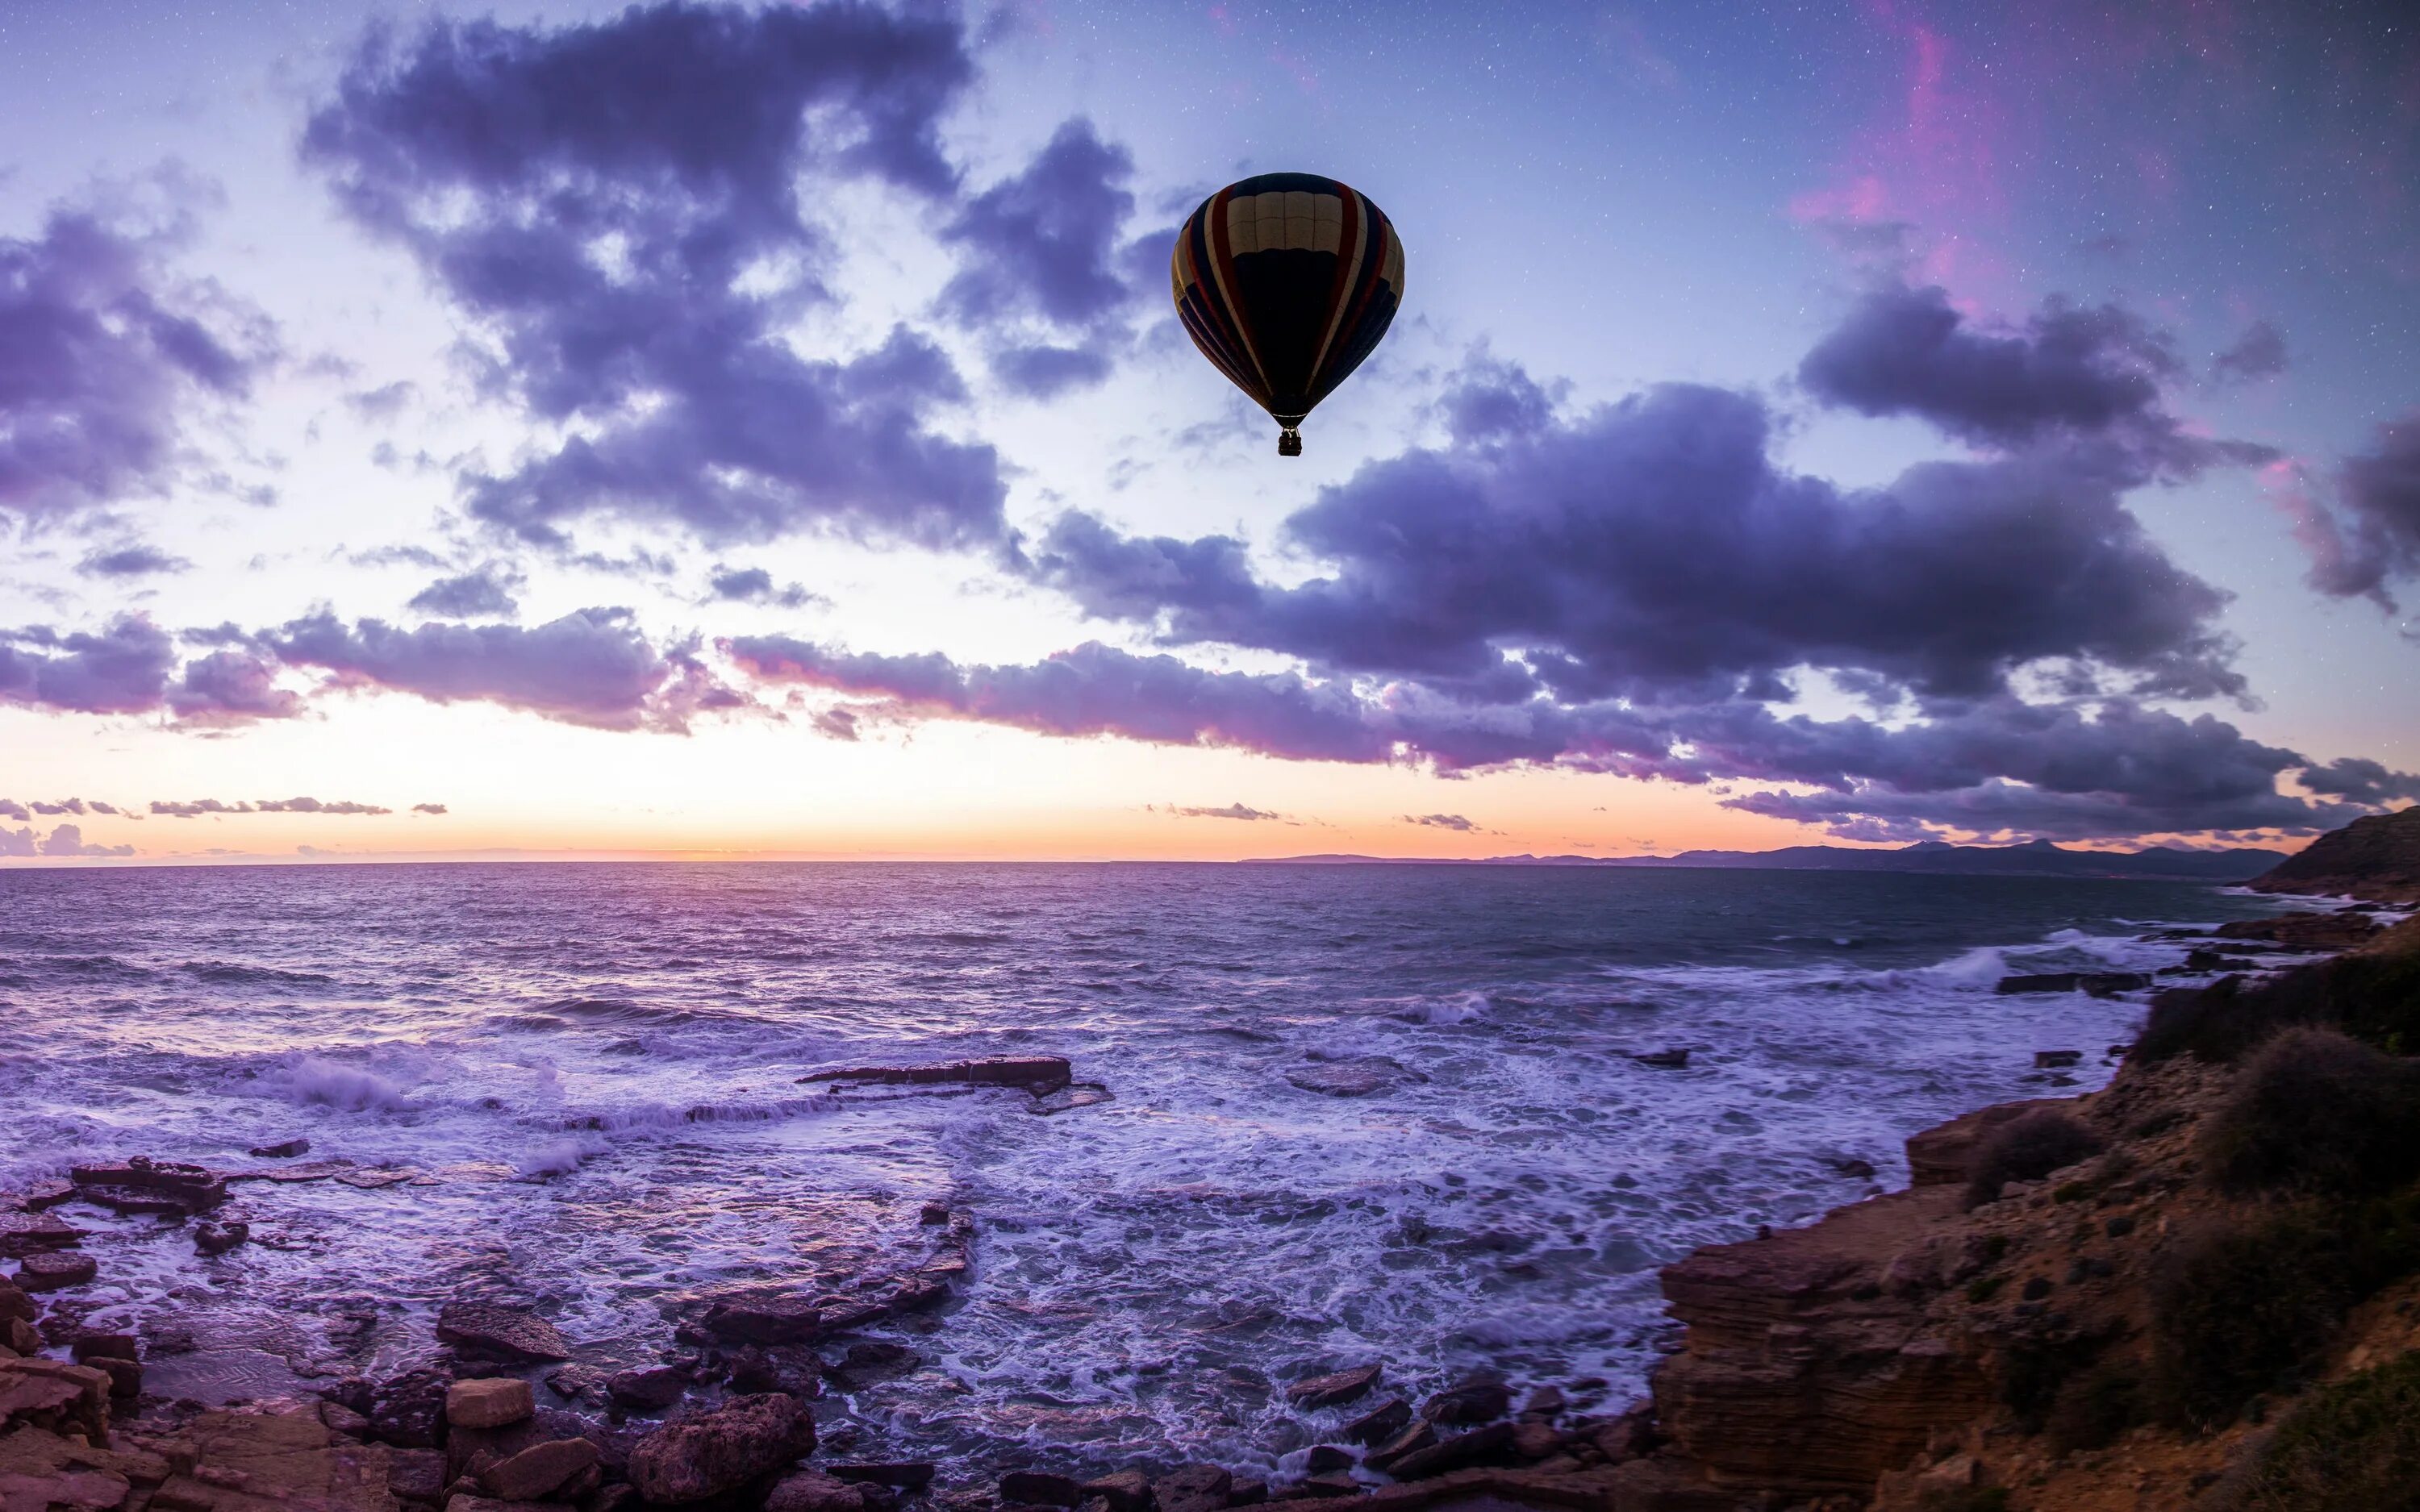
x=577, y=1088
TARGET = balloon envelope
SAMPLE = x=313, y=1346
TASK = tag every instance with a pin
x=1286, y=281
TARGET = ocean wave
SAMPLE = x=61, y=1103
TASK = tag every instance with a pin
x=315, y=1081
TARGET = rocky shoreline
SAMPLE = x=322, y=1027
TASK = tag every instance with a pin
x=1918, y=1349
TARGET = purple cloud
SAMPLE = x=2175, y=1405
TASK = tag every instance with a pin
x=10, y=809
x=503, y=156
x=1044, y=245
x=2362, y=527
x=1232, y=810
x=1091, y=690
x=754, y=585
x=429, y=808
x=68, y=839
x=135, y=560
x=122, y=670
x=226, y=690
x=488, y=591
x=2258, y=353
x=105, y=359
x=1443, y=821
x=591, y=667
x=1907, y=352
x=1650, y=550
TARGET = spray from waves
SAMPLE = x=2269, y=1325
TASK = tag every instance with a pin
x=557, y=1157
x=1457, y=1009
x=316, y=1081
x=657, y=1117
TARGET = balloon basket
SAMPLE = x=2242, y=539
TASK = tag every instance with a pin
x=1289, y=443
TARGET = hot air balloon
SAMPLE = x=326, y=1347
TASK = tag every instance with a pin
x=1286, y=281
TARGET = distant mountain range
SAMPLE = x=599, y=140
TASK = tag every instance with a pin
x=2036, y=858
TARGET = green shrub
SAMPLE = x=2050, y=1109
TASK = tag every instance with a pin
x=2353, y=1447
x=2240, y=1308
x=2317, y=1112
x=2027, y=1148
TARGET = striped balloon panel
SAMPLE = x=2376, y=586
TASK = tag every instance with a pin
x=1286, y=283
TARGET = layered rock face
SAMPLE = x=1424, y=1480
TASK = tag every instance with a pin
x=2376, y=859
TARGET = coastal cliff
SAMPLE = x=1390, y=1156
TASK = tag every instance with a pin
x=2376, y=859
x=2197, y=1288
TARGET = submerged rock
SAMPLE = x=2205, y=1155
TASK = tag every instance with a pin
x=764, y=1319
x=539, y=1470
x=217, y=1239
x=1357, y=1077
x=1673, y=1060
x=287, y=1149
x=810, y=1492
x=1032, y=1071
x=1037, y=1488
x=2095, y=984
x=1477, y=1401
x=503, y=1333
x=1193, y=1488
x=906, y=1475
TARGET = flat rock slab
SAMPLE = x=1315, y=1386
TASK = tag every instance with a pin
x=51, y=1269
x=789, y=1319
x=499, y=1332
x=1044, y=1072
x=53, y=1394
x=21, y=1233
x=309, y=1170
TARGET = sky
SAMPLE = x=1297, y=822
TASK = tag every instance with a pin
x=718, y=430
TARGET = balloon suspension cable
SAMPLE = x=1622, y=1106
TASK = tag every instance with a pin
x=1289, y=443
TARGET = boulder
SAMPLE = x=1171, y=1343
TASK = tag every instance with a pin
x=1476, y=1402
x=54, y=1269
x=1038, y=1488
x=284, y=1150
x=217, y=1239
x=21, y=1335
x=501, y=1332
x=1413, y=1440
x=125, y=1378
x=465, y=1502
x=341, y=1419
x=1379, y=1423
x=1193, y=1488
x=1327, y=1459
x=701, y=1455
x=1124, y=1491
x=1333, y=1389
x=23, y=1233
x=409, y=1410
x=488, y=1402
x=2096, y=983
x=2056, y=1059
x=90, y=1346
x=539, y=1470
x=53, y=1394
x=1044, y=1073
x=808, y=1491
x=649, y=1391
x=14, y=1303
x=1487, y=1445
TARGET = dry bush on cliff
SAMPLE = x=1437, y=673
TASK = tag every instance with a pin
x=2240, y=1308
x=2316, y=1111
x=2027, y=1148
x=2372, y=994
x=2354, y=1447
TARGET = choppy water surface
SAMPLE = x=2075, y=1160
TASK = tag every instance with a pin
x=591, y=1073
